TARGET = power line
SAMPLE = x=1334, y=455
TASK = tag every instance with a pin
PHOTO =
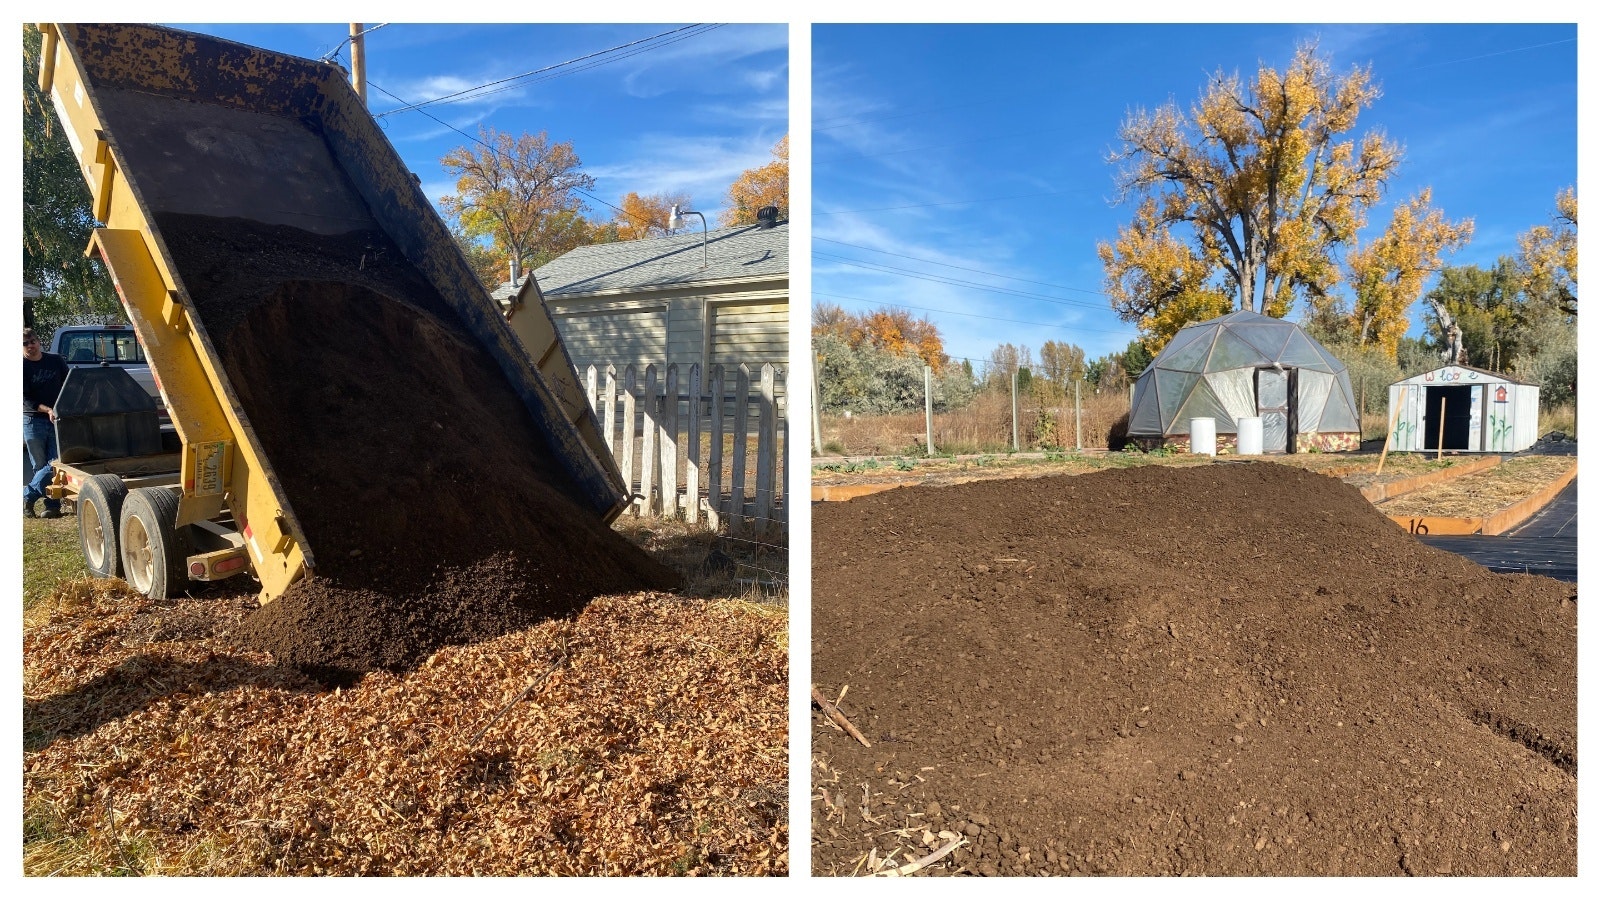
x=962, y=268
x=480, y=142
x=333, y=54
x=951, y=312
x=956, y=282
x=586, y=67
x=479, y=90
x=493, y=151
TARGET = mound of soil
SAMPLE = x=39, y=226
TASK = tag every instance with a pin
x=433, y=507
x=1234, y=669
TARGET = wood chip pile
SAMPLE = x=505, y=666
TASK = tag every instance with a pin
x=648, y=735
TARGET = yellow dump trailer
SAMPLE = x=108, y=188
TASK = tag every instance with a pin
x=169, y=123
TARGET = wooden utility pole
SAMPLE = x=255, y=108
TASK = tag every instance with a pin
x=358, y=62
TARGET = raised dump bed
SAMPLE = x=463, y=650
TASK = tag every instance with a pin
x=335, y=372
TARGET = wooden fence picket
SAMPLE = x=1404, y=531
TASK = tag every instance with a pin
x=647, y=446
x=691, y=488
x=741, y=442
x=714, y=466
x=591, y=389
x=669, y=444
x=669, y=418
x=610, y=411
x=627, y=432
x=766, y=445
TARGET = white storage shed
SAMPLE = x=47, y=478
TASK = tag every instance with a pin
x=1466, y=409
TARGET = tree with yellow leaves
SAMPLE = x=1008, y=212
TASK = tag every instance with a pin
x=520, y=193
x=766, y=185
x=1387, y=275
x=1245, y=198
x=646, y=216
x=1549, y=260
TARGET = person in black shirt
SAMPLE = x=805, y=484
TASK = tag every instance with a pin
x=42, y=376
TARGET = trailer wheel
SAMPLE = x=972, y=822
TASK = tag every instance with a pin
x=99, y=513
x=154, y=551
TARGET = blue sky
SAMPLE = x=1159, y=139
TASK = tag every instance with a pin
x=1019, y=120
x=689, y=116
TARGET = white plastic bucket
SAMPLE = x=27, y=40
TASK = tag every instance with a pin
x=1250, y=436
x=1203, y=436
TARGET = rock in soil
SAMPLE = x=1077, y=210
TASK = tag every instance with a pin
x=1237, y=669
x=434, y=507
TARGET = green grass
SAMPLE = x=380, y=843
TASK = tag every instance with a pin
x=50, y=555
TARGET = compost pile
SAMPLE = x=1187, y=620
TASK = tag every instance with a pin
x=1234, y=669
x=437, y=512
x=646, y=735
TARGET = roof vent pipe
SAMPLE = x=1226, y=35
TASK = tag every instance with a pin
x=767, y=216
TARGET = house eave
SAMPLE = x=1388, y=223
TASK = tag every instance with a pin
x=552, y=296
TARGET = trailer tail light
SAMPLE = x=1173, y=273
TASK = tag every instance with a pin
x=218, y=564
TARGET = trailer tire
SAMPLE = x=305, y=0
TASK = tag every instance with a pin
x=154, y=550
x=99, y=516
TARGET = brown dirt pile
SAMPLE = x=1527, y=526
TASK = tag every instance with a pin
x=1236, y=669
x=432, y=503
x=651, y=740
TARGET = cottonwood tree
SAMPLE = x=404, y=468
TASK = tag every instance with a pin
x=1061, y=363
x=1483, y=306
x=1244, y=199
x=520, y=192
x=872, y=362
x=1387, y=274
x=56, y=216
x=646, y=216
x=1550, y=256
x=888, y=328
x=766, y=185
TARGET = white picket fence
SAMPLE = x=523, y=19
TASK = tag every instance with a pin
x=660, y=427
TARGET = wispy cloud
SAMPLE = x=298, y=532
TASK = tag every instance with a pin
x=702, y=165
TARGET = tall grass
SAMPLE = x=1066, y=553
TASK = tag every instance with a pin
x=982, y=426
x=1562, y=417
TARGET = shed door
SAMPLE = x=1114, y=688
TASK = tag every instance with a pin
x=1272, y=405
x=1447, y=419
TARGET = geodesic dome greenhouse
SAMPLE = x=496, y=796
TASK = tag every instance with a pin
x=1240, y=365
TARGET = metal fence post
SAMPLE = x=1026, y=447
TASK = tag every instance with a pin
x=816, y=404
x=1077, y=412
x=1016, y=443
x=927, y=403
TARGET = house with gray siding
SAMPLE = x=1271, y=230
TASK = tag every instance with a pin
x=720, y=297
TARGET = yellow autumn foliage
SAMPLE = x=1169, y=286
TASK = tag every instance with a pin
x=766, y=185
x=1245, y=198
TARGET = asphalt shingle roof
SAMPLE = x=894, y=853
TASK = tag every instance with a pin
x=746, y=251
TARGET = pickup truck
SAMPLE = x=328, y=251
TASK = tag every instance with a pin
x=117, y=345
x=111, y=344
